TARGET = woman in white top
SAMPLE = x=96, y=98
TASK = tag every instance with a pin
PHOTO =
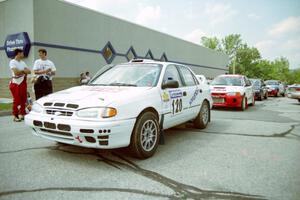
x=18, y=85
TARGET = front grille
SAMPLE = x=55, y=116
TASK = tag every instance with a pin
x=63, y=127
x=37, y=123
x=59, y=112
x=72, y=106
x=56, y=132
x=86, y=131
x=103, y=143
x=59, y=104
x=103, y=137
x=49, y=125
x=90, y=139
x=48, y=104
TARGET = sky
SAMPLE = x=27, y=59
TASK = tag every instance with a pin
x=272, y=26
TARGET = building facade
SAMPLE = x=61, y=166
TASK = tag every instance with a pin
x=79, y=39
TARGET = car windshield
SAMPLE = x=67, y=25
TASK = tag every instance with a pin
x=227, y=80
x=272, y=83
x=255, y=82
x=136, y=75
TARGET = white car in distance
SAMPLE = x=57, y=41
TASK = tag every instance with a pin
x=124, y=105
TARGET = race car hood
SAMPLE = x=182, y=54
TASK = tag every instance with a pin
x=92, y=96
x=226, y=89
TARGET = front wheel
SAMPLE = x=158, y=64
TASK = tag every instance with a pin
x=203, y=117
x=244, y=104
x=145, y=136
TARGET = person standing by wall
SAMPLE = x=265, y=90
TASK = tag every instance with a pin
x=18, y=85
x=44, y=69
x=87, y=76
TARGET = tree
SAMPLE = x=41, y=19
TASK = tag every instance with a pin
x=247, y=60
x=230, y=44
x=211, y=43
x=293, y=76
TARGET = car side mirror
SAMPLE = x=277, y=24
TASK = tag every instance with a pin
x=170, y=84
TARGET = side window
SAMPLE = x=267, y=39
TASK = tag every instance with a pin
x=248, y=83
x=171, y=73
x=188, y=77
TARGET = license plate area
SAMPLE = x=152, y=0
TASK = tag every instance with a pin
x=218, y=100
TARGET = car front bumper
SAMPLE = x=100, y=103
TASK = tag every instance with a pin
x=224, y=100
x=92, y=134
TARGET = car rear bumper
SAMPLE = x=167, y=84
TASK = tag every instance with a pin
x=294, y=95
x=257, y=95
x=272, y=92
x=101, y=135
x=223, y=100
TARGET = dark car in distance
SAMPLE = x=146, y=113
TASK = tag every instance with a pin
x=275, y=88
x=260, y=89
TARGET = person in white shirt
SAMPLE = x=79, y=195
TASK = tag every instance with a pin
x=87, y=76
x=18, y=85
x=44, y=69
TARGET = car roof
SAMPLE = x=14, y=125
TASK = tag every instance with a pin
x=146, y=61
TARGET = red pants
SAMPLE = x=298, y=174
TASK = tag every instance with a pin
x=19, y=93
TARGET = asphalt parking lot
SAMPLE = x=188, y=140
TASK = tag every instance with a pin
x=241, y=155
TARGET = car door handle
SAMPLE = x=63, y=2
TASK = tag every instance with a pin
x=184, y=93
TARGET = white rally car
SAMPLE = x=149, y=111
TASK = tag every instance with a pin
x=232, y=91
x=123, y=105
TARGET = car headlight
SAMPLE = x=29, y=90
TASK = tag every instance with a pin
x=233, y=93
x=37, y=108
x=97, y=113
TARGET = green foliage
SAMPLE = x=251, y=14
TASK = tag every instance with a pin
x=293, y=77
x=248, y=61
x=211, y=43
x=5, y=106
x=230, y=44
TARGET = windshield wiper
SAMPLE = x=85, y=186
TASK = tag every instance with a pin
x=122, y=84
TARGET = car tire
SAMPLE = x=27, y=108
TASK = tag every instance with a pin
x=145, y=136
x=244, y=104
x=203, y=117
x=299, y=100
x=261, y=96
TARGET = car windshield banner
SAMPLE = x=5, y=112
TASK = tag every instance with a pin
x=17, y=41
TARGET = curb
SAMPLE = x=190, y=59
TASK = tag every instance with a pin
x=5, y=113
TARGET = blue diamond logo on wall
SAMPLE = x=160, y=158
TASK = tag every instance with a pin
x=108, y=53
x=17, y=41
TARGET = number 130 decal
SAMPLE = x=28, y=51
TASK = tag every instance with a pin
x=176, y=106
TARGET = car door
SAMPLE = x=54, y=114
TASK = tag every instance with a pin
x=193, y=100
x=248, y=90
x=173, y=98
x=263, y=86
